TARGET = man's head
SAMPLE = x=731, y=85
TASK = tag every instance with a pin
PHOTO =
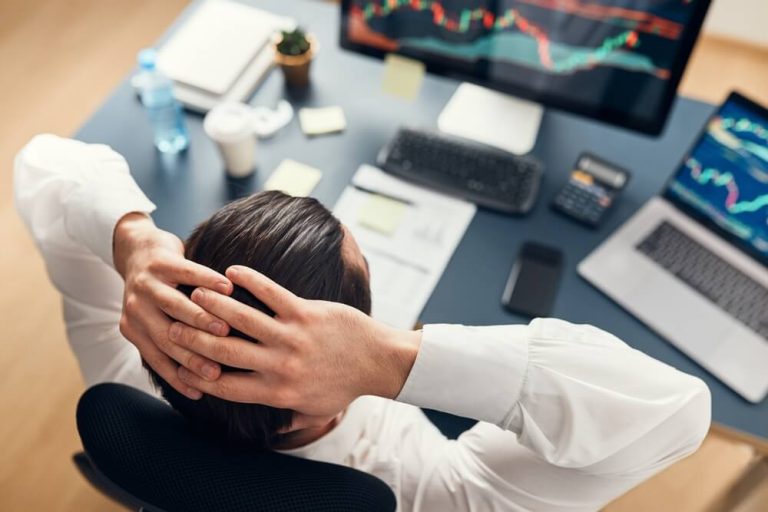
x=300, y=245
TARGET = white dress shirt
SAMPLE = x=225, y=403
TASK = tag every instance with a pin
x=570, y=416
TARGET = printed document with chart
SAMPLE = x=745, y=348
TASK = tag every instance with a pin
x=408, y=235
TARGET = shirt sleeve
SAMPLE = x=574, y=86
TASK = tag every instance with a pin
x=70, y=195
x=87, y=187
x=571, y=417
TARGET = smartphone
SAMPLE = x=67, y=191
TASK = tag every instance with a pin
x=532, y=285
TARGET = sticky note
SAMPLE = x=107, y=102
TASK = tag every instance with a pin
x=319, y=121
x=382, y=214
x=293, y=178
x=402, y=76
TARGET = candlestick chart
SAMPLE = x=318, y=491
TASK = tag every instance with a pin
x=556, y=37
x=726, y=175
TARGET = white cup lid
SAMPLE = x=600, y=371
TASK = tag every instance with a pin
x=229, y=122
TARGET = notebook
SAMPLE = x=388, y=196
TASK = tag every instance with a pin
x=220, y=53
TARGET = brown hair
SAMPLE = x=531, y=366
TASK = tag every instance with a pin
x=297, y=243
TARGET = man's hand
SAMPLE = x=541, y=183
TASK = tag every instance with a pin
x=152, y=264
x=313, y=357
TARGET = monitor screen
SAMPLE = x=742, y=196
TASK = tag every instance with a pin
x=619, y=61
x=723, y=180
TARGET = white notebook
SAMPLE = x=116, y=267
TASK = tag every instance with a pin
x=214, y=53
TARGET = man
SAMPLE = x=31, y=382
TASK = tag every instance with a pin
x=570, y=416
x=300, y=244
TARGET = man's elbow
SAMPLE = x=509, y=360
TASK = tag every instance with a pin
x=695, y=419
x=28, y=162
x=686, y=430
x=677, y=436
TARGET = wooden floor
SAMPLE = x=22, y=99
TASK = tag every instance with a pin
x=59, y=59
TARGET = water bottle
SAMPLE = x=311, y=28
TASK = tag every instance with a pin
x=164, y=111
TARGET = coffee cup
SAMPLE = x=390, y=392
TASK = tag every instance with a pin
x=230, y=126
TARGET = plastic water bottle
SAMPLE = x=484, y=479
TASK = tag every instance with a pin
x=164, y=111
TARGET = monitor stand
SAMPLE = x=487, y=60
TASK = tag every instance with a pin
x=492, y=117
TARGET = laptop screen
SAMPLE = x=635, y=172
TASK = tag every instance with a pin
x=723, y=181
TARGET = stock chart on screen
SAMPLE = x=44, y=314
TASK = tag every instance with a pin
x=725, y=177
x=617, y=54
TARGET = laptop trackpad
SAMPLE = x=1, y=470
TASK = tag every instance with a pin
x=680, y=314
x=744, y=357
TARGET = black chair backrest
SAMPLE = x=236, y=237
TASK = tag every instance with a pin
x=151, y=452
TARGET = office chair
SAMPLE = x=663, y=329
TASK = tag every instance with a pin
x=143, y=454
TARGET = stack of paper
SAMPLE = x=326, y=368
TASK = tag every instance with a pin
x=408, y=235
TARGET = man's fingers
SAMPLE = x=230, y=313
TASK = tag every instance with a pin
x=277, y=298
x=179, y=307
x=158, y=333
x=244, y=387
x=193, y=274
x=163, y=365
x=231, y=351
x=244, y=318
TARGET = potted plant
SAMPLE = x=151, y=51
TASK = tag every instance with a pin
x=294, y=51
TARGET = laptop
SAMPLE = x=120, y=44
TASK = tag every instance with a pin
x=692, y=263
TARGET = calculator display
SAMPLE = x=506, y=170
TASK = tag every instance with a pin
x=601, y=171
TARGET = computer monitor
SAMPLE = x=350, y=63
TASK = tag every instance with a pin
x=618, y=61
x=723, y=180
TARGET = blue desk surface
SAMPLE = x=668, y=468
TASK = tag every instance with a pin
x=187, y=189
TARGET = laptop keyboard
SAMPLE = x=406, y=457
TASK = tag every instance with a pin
x=732, y=290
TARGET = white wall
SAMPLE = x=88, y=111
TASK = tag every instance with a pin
x=746, y=20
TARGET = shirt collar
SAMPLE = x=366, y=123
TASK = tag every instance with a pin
x=334, y=446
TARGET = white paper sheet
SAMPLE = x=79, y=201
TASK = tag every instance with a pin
x=407, y=264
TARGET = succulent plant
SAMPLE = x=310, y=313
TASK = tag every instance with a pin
x=293, y=43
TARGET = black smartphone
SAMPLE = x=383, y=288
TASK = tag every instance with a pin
x=532, y=285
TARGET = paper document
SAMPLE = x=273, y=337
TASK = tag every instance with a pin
x=408, y=235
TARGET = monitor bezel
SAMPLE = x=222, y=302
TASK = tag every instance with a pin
x=611, y=116
x=698, y=216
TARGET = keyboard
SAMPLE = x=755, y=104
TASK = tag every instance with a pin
x=485, y=175
x=732, y=290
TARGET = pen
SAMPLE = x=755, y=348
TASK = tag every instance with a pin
x=382, y=194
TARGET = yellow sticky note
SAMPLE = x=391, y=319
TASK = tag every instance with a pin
x=382, y=214
x=402, y=76
x=318, y=121
x=293, y=178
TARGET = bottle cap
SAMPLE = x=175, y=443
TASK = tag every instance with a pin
x=147, y=59
x=229, y=122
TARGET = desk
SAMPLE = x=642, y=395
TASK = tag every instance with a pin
x=187, y=189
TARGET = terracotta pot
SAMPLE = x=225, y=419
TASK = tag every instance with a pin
x=296, y=67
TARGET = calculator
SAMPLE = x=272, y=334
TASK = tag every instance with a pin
x=593, y=186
